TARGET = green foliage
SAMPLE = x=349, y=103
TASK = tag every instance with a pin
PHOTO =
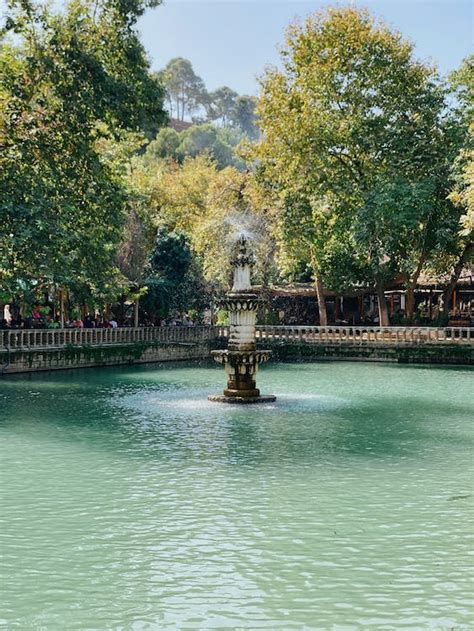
x=462, y=84
x=175, y=282
x=223, y=102
x=185, y=90
x=171, y=257
x=243, y=115
x=212, y=207
x=164, y=146
x=71, y=80
x=206, y=139
x=356, y=140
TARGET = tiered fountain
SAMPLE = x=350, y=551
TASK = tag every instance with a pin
x=241, y=359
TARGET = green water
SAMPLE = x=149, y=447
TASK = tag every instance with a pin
x=128, y=501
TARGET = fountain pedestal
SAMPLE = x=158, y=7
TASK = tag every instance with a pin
x=241, y=359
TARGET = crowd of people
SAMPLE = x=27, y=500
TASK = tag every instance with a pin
x=48, y=322
x=41, y=318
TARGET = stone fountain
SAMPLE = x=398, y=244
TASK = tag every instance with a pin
x=241, y=359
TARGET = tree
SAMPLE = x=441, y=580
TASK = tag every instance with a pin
x=350, y=111
x=223, y=102
x=201, y=139
x=175, y=281
x=212, y=207
x=132, y=258
x=184, y=88
x=165, y=144
x=244, y=117
x=462, y=195
x=68, y=81
x=206, y=139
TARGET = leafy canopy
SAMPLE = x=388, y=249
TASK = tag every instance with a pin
x=69, y=80
x=356, y=142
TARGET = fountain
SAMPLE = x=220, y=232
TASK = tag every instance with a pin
x=241, y=359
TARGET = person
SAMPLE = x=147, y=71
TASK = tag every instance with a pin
x=113, y=323
x=89, y=322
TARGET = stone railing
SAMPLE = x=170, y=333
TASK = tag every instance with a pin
x=58, y=338
x=394, y=336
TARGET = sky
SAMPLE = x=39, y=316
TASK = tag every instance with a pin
x=231, y=42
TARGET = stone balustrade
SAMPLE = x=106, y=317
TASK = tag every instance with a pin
x=60, y=338
x=363, y=335
x=395, y=336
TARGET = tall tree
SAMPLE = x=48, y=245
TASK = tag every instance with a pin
x=184, y=88
x=132, y=258
x=223, y=101
x=350, y=111
x=244, y=117
x=462, y=195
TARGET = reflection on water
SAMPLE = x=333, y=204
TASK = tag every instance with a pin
x=130, y=501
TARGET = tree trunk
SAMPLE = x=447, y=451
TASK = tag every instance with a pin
x=382, y=303
x=323, y=314
x=410, y=301
x=135, y=312
x=410, y=294
x=61, y=308
x=463, y=259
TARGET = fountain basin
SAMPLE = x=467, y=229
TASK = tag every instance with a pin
x=241, y=367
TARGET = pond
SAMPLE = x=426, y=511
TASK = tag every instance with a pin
x=129, y=501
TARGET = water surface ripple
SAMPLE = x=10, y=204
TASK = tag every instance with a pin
x=128, y=501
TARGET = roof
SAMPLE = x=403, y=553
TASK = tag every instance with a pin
x=308, y=290
x=465, y=278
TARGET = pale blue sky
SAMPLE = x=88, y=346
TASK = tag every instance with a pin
x=230, y=42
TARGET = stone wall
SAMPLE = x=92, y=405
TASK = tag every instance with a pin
x=420, y=354
x=17, y=360
x=32, y=360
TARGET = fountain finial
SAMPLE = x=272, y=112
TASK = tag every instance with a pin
x=242, y=263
